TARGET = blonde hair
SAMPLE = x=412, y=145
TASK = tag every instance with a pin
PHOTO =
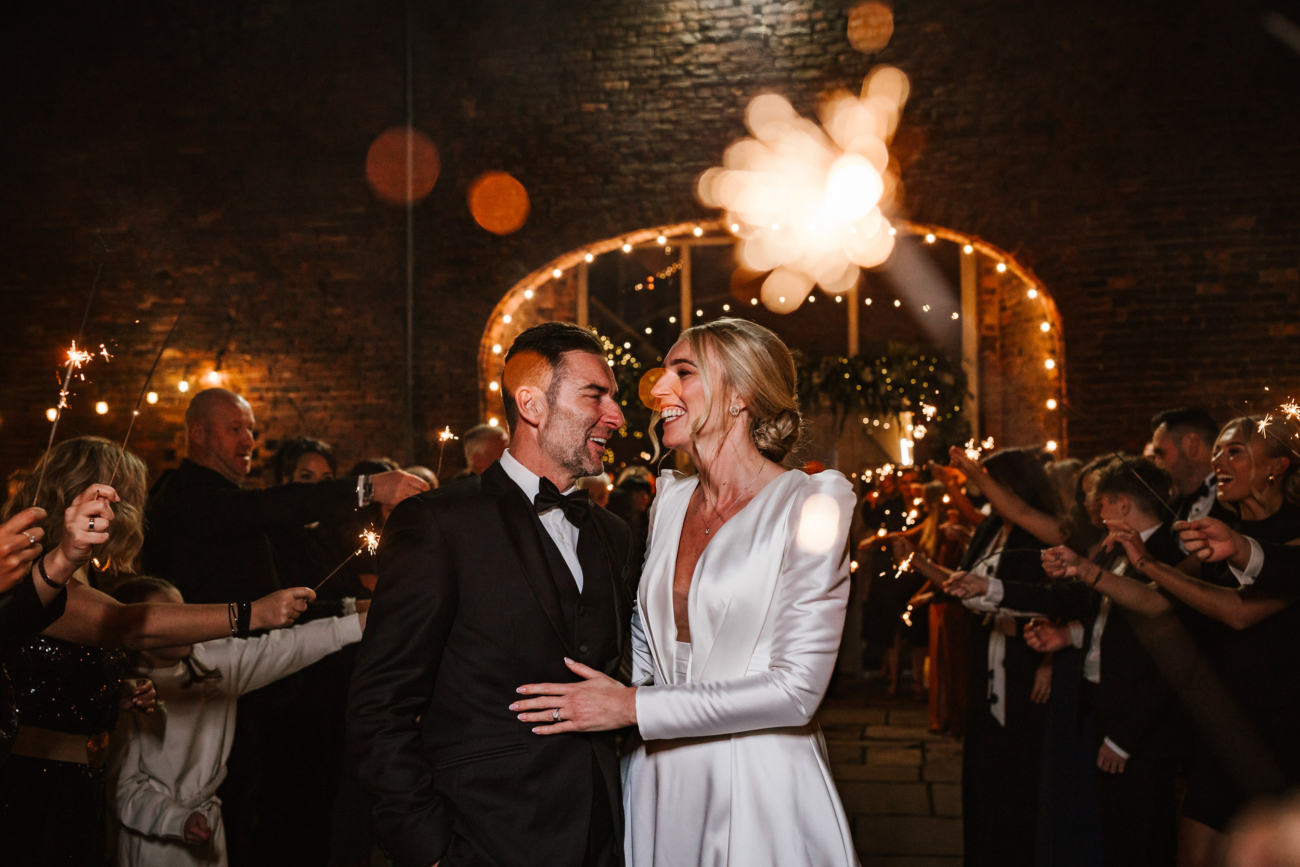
x=736, y=355
x=71, y=467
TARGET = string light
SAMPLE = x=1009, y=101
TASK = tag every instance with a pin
x=1032, y=293
x=868, y=302
x=493, y=385
x=557, y=273
x=528, y=294
x=51, y=414
x=898, y=303
x=753, y=302
x=152, y=397
x=182, y=386
x=956, y=315
x=672, y=320
x=1051, y=445
x=661, y=240
x=1045, y=327
x=1050, y=364
x=493, y=421
x=496, y=348
x=968, y=249
x=1051, y=403
x=1002, y=267
x=101, y=408
x=698, y=232
x=506, y=319
x=589, y=258
x=726, y=308
x=929, y=239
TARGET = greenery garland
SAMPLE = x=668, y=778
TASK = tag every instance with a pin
x=904, y=378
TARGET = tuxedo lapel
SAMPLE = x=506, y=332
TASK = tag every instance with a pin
x=522, y=531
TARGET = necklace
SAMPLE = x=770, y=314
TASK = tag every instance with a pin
x=719, y=516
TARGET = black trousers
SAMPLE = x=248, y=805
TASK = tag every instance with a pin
x=51, y=814
x=1138, y=812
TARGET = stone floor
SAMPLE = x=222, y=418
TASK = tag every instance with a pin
x=901, y=785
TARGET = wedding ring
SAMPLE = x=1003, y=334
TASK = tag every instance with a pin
x=555, y=715
x=92, y=525
x=31, y=540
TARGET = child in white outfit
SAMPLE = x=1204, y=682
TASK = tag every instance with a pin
x=169, y=764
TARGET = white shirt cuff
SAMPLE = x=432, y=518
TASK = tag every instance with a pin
x=993, y=595
x=1248, y=575
x=1115, y=748
x=1076, y=634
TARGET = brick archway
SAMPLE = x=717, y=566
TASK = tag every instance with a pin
x=1013, y=344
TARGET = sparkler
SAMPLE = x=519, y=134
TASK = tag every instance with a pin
x=1265, y=422
x=905, y=566
x=145, y=388
x=443, y=438
x=1290, y=409
x=77, y=358
x=369, y=543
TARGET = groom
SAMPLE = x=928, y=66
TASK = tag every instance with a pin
x=484, y=585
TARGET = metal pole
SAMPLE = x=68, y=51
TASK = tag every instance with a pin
x=584, y=314
x=970, y=339
x=686, y=286
x=408, y=414
x=853, y=318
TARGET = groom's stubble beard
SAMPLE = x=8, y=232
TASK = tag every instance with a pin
x=564, y=440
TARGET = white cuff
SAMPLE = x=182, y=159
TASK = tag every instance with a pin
x=1248, y=575
x=1076, y=634
x=993, y=595
x=361, y=491
x=1115, y=748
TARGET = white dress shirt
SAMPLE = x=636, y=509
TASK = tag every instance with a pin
x=559, y=528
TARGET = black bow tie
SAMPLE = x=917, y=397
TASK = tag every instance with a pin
x=576, y=506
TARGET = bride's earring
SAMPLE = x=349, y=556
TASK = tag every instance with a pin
x=735, y=410
x=1272, y=477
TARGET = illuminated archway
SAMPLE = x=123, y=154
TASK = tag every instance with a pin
x=1013, y=346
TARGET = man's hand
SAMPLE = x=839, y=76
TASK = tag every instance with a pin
x=197, y=831
x=281, y=608
x=1061, y=562
x=1047, y=637
x=1110, y=761
x=394, y=486
x=1212, y=540
x=1131, y=540
x=964, y=585
x=20, y=545
x=1042, y=690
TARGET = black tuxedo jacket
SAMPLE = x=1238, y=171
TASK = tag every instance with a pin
x=473, y=601
x=209, y=537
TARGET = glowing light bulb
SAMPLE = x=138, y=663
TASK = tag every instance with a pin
x=493, y=421
x=868, y=302
x=753, y=302
x=838, y=299
x=1032, y=293
x=649, y=330
x=1045, y=327
x=1050, y=364
x=589, y=258
x=51, y=414
x=496, y=348
x=1002, y=267
x=661, y=240
x=726, y=308
x=956, y=315
x=1051, y=403
x=627, y=248
x=493, y=386
x=101, y=408
x=1051, y=445
x=528, y=294
x=735, y=227
x=929, y=238
x=898, y=303
x=182, y=386
x=557, y=273
x=968, y=249
x=698, y=232
x=627, y=345
x=672, y=320
x=506, y=319
x=151, y=397
x=699, y=312
x=893, y=231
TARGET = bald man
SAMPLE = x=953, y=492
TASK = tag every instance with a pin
x=211, y=538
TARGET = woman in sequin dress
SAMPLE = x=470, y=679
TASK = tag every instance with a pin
x=68, y=679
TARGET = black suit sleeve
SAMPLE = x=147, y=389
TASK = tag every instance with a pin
x=22, y=615
x=393, y=681
x=238, y=512
x=1059, y=600
x=1281, y=571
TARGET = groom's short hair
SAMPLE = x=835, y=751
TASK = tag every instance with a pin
x=550, y=341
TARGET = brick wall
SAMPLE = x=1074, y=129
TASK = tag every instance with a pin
x=1139, y=157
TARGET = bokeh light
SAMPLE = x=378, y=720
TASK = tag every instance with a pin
x=51, y=414
x=648, y=382
x=386, y=165
x=871, y=25
x=101, y=407
x=499, y=203
x=151, y=397
x=819, y=523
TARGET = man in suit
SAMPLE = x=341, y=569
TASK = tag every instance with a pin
x=213, y=539
x=1182, y=443
x=1140, y=730
x=485, y=584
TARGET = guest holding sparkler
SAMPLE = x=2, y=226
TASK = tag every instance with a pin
x=1182, y=444
x=170, y=764
x=1007, y=684
x=212, y=539
x=68, y=679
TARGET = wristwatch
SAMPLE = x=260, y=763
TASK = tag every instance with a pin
x=365, y=491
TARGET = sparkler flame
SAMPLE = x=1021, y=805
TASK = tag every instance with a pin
x=78, y=357
x=103, y=350
x=905, y=566
x=370, y=540
x=447, y=436
x=1265, y=422
x=1290, y=409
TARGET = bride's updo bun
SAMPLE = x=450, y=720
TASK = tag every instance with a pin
x=742, y=357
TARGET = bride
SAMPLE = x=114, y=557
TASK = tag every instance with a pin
x=735, y=629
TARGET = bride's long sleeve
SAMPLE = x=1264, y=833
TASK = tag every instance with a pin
x=809, y=602
x=643, y=664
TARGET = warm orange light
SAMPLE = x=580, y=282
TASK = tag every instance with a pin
x=871, y=25
x=1050, y=364
x=101, y=408
x=499, y=203
x=1051, y=403
x=386, y=165
x=151, y=397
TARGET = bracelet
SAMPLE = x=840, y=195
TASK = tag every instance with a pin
x=230, y=615
x=1141, y=560
x=1096, y=580
x=245, y=618
x=40, y=567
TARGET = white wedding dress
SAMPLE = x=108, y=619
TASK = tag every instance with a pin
x=734, y=771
